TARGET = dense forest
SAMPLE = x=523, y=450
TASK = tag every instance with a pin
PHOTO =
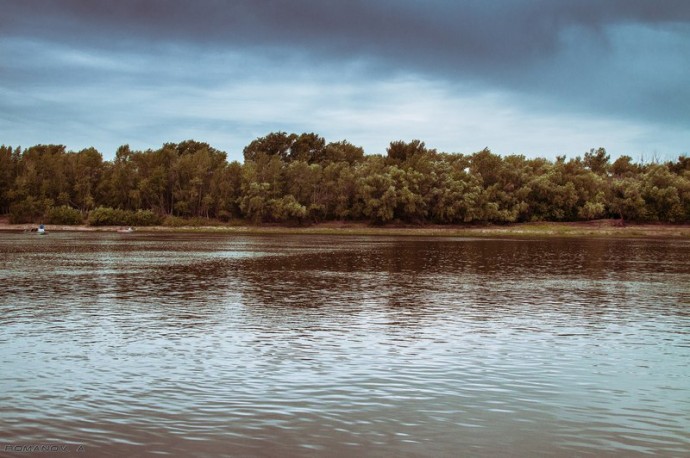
x=301, y=179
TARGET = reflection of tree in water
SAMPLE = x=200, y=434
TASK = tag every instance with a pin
x=397, y=283
x=389, y=284
x=192, y=294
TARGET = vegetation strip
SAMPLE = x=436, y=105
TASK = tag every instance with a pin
x=301, y=180
x=604, y=228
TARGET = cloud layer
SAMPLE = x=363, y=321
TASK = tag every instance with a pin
x=529, y=76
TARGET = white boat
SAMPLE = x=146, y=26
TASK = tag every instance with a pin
x=129, y=229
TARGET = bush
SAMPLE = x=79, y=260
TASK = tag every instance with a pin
x=224, y=215
x=64, y=215
x=28, y=210
x=106, y=216
x=176, y=221
x=145, y=218
x=287, y=209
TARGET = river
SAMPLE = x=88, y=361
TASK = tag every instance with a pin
x=302, y=345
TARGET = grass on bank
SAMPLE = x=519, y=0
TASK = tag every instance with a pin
x=143, y=221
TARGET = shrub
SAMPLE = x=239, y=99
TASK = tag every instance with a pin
x=145, y=218
x=176, y=221
x=28, y=210
x=64, y=215
x=287, y=209
x=106, y=216
x=224, y=215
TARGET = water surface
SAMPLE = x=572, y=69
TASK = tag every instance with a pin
x=201, y=345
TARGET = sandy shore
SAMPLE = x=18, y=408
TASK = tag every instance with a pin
x=599, y=228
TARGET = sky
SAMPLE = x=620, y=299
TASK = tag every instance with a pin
x=535, y=77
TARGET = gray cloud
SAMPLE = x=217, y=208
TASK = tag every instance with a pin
x=478, y=30
x=622, y=58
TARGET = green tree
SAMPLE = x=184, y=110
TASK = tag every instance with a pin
x=339, y=185
x=292, y=178
x=305, y=183
x=487, y=166
x=122, y=180
x=597, y=161
x=287, y=208
x=660, y=191
x=308, y=148
x=193, y=172
x=226, y=188
x=626, y=199
x=87, y=169
x=624, y=167
x=377, y=196
x=8, y=176
x=342, y=151
x=400, y=151
x=254, y=202
x=42, y=173
x=274, y=144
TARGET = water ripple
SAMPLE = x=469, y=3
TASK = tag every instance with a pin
x=303, y=346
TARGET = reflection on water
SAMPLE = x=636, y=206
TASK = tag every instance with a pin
x=204, y=345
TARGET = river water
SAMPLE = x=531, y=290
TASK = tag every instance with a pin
x=208, y=345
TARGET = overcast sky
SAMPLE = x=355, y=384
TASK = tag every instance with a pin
x=533, y=77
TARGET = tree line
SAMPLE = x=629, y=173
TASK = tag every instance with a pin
x=301, y=179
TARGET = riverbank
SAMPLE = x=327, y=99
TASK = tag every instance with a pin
x=598, y=228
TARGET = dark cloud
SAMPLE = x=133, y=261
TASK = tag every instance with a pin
x=626, y=58
x=481, y=31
